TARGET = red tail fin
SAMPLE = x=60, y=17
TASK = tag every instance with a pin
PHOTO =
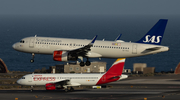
x=114, y=73
x=117, y=67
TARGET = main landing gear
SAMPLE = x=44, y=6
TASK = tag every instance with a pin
x=88, y=63
x=71, y=89
x=32, y=60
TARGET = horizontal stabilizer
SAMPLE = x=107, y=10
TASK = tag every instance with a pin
x=114, y=77
x=151, y=49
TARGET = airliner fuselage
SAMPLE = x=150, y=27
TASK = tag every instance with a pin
x=65, y=49
x=104, y=49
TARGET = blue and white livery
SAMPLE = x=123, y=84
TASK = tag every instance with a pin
x=155, y=34
x=65, y=49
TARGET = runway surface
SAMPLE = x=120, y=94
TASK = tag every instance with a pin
x=88, y=94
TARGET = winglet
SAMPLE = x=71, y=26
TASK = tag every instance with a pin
x=93, y=40
x=118, y=38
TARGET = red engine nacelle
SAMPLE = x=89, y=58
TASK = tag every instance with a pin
x=50, y=86
x=60, y=56
x=63, y=56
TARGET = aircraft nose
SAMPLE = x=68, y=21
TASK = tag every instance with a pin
x=14, y=46
x=19, y=81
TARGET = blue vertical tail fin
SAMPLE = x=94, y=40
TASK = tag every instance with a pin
x=155, y=34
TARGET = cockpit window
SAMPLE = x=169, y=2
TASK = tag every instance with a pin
x=23, y=78
x=22, y=41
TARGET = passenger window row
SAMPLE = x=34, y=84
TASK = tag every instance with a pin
x=96, y=46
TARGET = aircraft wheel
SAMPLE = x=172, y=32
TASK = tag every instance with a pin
x=82, y=64
x=31, y=90
x=88, y=63
x=32, y=60
x=71, y=89
x=66, y=90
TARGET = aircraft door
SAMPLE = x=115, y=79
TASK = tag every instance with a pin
x=30, y=79
x=134, y=49
x=31, y=43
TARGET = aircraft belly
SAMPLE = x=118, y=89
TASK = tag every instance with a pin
x=30, y=50
x=45, y=51
x=85, y=81
x=40, y=83
x=113, y=53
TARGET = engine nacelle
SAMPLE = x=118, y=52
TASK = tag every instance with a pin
x=63, y=56
x=60, y=56
x=50, y=86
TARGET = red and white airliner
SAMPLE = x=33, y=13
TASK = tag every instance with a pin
x=67, y=81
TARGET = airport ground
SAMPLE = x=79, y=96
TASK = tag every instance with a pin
x=137, y=87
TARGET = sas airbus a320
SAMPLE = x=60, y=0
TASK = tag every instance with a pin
x=65, y=49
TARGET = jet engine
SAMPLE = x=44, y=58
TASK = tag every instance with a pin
x=52, y=86
x=63, y=56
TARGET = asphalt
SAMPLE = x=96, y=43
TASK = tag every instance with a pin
x=95, y=94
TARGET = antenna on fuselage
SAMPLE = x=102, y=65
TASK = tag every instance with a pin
x=35, y=35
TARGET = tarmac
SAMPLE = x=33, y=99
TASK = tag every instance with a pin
x=162, y=87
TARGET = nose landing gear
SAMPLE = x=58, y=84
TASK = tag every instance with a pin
x=31, y=88
x=71, y=89
x=32, y=60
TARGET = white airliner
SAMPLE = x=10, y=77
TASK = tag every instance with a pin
x=65, y=49
x=64, y=81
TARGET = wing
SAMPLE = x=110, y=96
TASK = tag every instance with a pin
x=67, y=82
x=83, y=50
x=62, y=82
